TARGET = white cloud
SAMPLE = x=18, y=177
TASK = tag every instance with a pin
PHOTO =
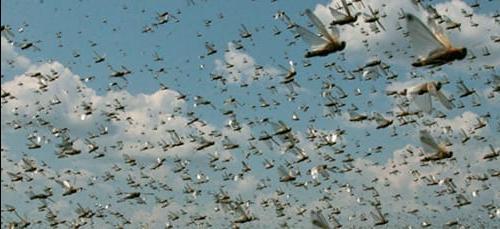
x=399, y=86
x=464, y=121
x=146, y=111
x=10, y=55
x=243, y=68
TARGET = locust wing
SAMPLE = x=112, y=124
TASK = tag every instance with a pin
x=440, y=96
x=428, y=142
x=319, y=220
x=423, y=101
x=332, y=37
x=346, y=7
x=309, y=37
x=422, y=38
x=337, y=15
x=438, y=32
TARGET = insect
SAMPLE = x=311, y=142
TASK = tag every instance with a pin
x=340, y=18
x=430, y=145
x=434, y=45
x=422, y=93
x=320, y=45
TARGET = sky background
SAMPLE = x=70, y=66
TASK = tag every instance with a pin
x=114, y=29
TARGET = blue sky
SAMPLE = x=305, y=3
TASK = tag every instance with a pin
x=115, y=28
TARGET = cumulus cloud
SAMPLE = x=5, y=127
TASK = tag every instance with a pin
x=399, y=86
x=11, y=58
x=464, y=121
x=240, y=67
x=134, y=125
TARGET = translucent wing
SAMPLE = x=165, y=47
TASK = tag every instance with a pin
x=28, y=162
x=241, y=211
x=370, y=73
x=440, y=96
x=282, y=15
x=11, y=174
x=334, y=33
x=461, y=86
x=380, y=24
x=379, y=118
x=444, y=100
x=428, y=140
x=337, y=15
x=282, y=171
x=324, y=172
x=423, y=102
x=353, y=114
x=319, y=220
x=432, y=11
x=439, y=33
x=287, y=19
x=66, y=184
x=346, y=7
x=126, y=157
x=447, y=20
x=10, y=207
x=244, y=28
x=292, y=66
x=422, y=39
x=492, y=149
x=321, y=28
x=310, y=38
x=283, y=68
x=375, y=216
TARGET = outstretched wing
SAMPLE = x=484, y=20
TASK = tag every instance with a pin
x=422, y=38
x=346, y=7
x=282, y=171
x=337, y=15
x=440, y=96
x=283, y=68
x=292, y=66
x=423, y=102
x=428, y=141
x=319, y=220
x=353, y=114
x=309, y=37
x=321, y=27
x=439, y=33
x=282, y=15
x=379, y=119
x=65, y=184
x=492, y=149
